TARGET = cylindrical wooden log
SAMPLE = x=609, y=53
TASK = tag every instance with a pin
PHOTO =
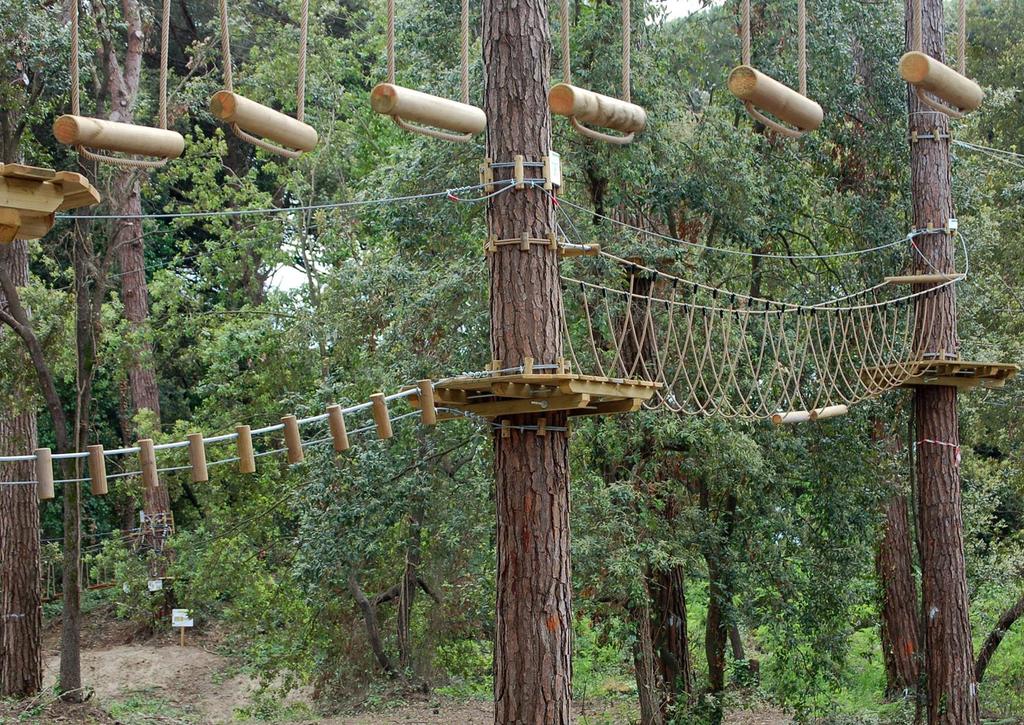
x=336, y=420
x=829, y=411
x=197, y=458
x=595, y=109
x=380, y=415
x=147, y=461
x=418, y=107
x=246, y=457
x=792, y=416
x=97, y=471
x=428, y=415
x=293, y=439
x=124, y=138
x=749, y=84
x=259, y=120
x=44, y=474
x=939, y=79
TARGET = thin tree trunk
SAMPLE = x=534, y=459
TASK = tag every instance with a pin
x=895, y=567
x=407, y=595
x=369, y=611
x=21, y=624
x=533, y=666
x=643, y=662
x=949, y=662
x=671, y=639
x=737, y=643
x=988, y=649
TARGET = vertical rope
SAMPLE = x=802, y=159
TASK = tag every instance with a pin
x=300, y=91
x=918, y=21
x=464, y=56
x=563, y=20
x=801, y=42
x=75, y=99
x=391, y=41
x=745, y=32
x=225, y=47
x=165, y=41
x=961, y=40
x=627, y=41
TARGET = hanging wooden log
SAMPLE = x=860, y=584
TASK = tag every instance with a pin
x=44, y=474
x=923, y=278
x=147, y=462
x=336, y=421
x=418, y=107
x=97, y=471
x=259, y=120
x=937, y=78
x=596, y=109
x=246, y=457
x=380, y=415
x=792, y=416
x=428, y=414
x=197, y=458
x=293, y=439
x=829, y=411
x=124, y=138
x=751, y=85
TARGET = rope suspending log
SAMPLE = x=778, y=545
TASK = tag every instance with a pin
x=582, y=106
x=760, y=92
x=432, y=116
x=255, y=123
x=85, y=133
x=957, y=94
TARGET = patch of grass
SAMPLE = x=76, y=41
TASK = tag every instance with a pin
x=142, y=707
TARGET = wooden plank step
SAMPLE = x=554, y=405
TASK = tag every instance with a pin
x=29, y=173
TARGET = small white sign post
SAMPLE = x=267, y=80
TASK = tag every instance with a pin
x=181, y=618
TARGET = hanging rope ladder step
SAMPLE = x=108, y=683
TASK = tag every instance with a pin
x=84, y=132
x=928, y=75
x=582, y=106
x=762, y=93
x=456, y=121
x=255, y=123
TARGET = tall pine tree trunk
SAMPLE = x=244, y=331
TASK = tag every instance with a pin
x=895, y=567
x=532, y=675
x=21, y=622
x=949, y=662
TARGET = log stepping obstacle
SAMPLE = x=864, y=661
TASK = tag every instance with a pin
x=802, y=416
x=30, y=196
x=433, y=116
x=530, y=392
x=932, y=79
x=762, y=94
x=963, y=374
x=255, y=123
x=583, y=107
x=85, y=133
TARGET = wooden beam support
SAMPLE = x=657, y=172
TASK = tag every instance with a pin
x=259, y=120
x=33, y=196
x=336, y=421
x=293, y=439
x=609, y=407
x=393, y=100
x=517, y=407
x=751, y=85
x=125, y=138
x=44, y=474
x=97, y=470
x=197, y=458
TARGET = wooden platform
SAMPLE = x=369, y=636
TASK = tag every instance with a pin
x=962, y=374
x=540, y=393
x=30, y=196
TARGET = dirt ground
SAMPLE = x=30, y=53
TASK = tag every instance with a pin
x=138, y=679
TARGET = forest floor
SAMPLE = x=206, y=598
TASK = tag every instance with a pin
x=138, y=680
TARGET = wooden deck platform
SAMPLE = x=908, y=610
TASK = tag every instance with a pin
x=962, y=374
x=540, y=393
x=30, y=196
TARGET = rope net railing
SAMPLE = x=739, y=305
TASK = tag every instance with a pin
x=742, y=359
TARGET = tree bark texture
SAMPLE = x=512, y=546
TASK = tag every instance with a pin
x=949, y=662
x=643, y=663
x=895, y=567
x=671, y=639
x=532, y=682
x=21, y=623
